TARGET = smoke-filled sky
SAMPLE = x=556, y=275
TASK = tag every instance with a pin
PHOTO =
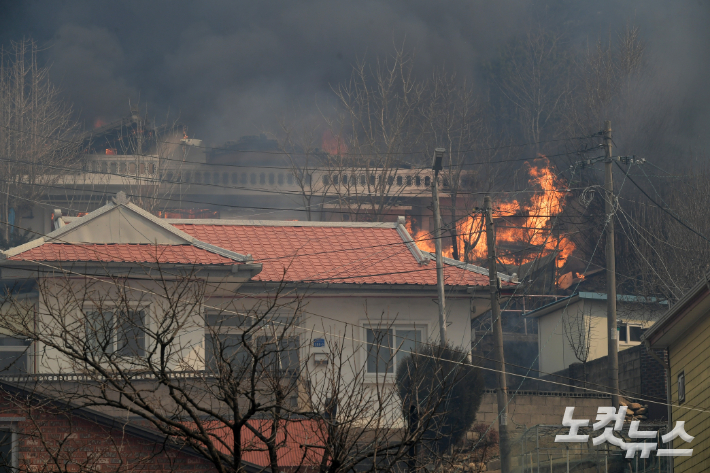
x=230, y=68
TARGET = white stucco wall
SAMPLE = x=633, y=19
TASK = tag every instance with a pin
x=554, y=346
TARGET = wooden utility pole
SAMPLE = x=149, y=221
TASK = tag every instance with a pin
x=502, y=391
x=438, y=166
x=611, y=322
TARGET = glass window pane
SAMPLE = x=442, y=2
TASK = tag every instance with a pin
x=131, y=333
x=406, y=342
x=227, y=348
x=379, y=351
x=13, y=362
x=5, y=451
x=621, y=328
x=99, y=330
x=279, y=358
x=635, y=333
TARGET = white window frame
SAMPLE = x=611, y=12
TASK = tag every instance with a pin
x=366, y=325
x=146, y=307
x=10, y=424
x=627, y=333
x=256, y=334
x=19, y=349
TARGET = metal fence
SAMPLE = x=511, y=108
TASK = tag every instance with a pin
x=539, y=453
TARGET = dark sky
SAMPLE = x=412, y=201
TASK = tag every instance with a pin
x=230, y=68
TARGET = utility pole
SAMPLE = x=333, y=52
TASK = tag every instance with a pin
x=611, y=322
x=502, y=391
x=438, y=166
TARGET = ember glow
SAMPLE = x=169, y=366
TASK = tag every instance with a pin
x=522, y=227
x=333, y=144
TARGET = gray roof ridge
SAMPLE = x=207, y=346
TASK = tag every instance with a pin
x=279, y=223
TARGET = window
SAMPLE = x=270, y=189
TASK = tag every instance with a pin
x=151, y=168
x=271, y=179
x=621, y=331
x=170, y=176
x=390, y=180
x=132, y=168
x=386, y=348
x=335, y=180
x=345, y=179
x=399, y=180
x=99, y=331
x=122, y=168
x=379, y=351
x=14, y=355
x=406, y=342
x=188, y=176
x=215, y=177
x=114, y=168
x=372, y=180
x=124, y=335
x=225, y=342
x=362, y=179
x=198, y=177
x=262, y=178
x=289, y=179
x=142, y=168
x=281, y=179
x=131, y=333
x=427, y=181
x=635, y=332
x=8, y=448
x=104, y=167
x=326, y=180
x=206, y=177
x=243, y=178
x=227, y=348
x=225, y=178
x=409, y=181
x=681, y=387
x=418, y=181
x=252, y=178
x=281, y=356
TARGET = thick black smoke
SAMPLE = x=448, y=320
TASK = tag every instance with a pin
x=232, y=68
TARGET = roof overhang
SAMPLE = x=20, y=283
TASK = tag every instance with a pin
x=17, y=269
x=682, y=317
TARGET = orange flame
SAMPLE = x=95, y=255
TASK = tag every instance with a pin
x=522, y=228
x=333, y=144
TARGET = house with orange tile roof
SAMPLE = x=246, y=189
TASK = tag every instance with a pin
x=365, y=283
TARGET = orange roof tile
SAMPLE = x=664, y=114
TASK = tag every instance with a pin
x=295, y=440
x=121, y=252
x=329, y=254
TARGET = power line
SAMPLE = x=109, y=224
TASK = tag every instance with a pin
x=675, y=217
x=494, y=148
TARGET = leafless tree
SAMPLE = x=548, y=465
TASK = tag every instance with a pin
x=301, y=145
x=379, y=124
x=36, y=134
x=533, y=80
x=152, y=162
x=578, y=331
x=222, y=373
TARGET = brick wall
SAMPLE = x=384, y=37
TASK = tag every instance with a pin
x=48, y=435
x=640, y=377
